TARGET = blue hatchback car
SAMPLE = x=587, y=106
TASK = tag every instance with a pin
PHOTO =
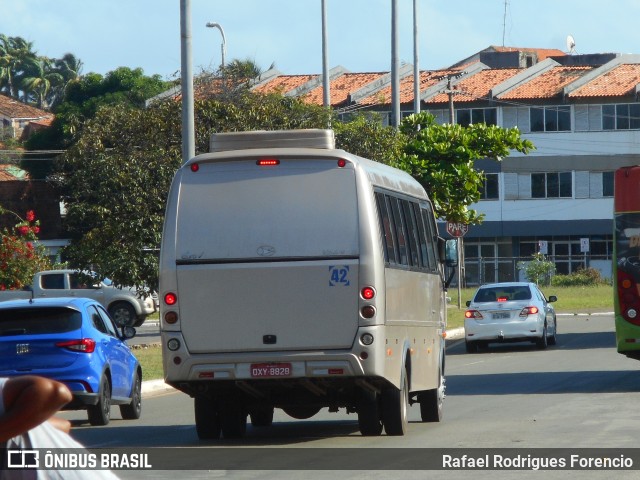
x=74, y=341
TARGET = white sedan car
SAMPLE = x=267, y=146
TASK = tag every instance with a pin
x=510, y=312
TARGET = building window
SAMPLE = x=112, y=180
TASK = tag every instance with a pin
x=607, y=184
x=551, y=185
x=550, y=119
x=489, y=189
x=467, y=116
x=621, y=117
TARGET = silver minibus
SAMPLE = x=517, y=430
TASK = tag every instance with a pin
x=297, y=276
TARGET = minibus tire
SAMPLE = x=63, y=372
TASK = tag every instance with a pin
x=261, y=417
x=395, y=403
x=369, y=421
x=207, y=418
x=431, y=403
x=233, y=420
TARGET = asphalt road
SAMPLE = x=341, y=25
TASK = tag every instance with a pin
x=578, y=394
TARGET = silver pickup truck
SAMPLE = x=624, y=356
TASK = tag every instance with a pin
x=127, y=306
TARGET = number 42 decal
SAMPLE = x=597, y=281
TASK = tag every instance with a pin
x=339, y=275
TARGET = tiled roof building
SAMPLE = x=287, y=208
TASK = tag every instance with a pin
x=16, y=115
x=582, y=112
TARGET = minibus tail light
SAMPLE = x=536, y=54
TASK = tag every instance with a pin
x=368, y=293
x=268, y=162
x=368, y=311
x=170, y=298
x=342, y=163
x=195, y=167
x=171, y=317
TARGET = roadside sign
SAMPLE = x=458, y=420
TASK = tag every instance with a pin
x=584, y=245
x=457, y=229
x=543, y=247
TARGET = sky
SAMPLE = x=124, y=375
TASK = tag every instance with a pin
x=107, y=34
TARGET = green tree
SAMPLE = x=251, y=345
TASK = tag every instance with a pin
x=15, y=54
x=39, y=79
x=539, y=270
x=442, y=158
x=367, y=137
x=85, y=95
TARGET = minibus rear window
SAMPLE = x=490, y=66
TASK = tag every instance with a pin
x=298, y=209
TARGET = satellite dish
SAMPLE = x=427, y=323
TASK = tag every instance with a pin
x=571, y=44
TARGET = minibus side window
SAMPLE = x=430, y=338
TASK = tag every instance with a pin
x=432, y=233
x=412, y=232
x=401, y=236
x=427, y=261
x=386, y=227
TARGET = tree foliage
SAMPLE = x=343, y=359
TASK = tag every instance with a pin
x=539, y=270
x=84, y=96
x=442, y=158
x=368, y=138
x=31, y=78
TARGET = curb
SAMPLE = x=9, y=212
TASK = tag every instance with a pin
x=151, y=388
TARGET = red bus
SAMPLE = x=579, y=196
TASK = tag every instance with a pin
x=626, y=264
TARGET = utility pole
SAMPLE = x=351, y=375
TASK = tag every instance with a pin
x=395, y=73
x=416, y=67
x=452, y=120
x=326, y=93
x=451, y=92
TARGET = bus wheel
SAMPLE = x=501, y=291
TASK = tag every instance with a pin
x=431, y=403
x=207, y=419
x=395, y=403
x=262, y=417
x=369, y=420
x=233, y=420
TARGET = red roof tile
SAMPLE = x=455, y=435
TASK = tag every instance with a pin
x=284, y=83
x=427, y=79
x=342, y=87
x=548, y=84
x=477, y=86
x=12, y=108
x=619, y=81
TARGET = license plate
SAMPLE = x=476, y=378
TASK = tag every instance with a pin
x=500, y=315
x=259, y=370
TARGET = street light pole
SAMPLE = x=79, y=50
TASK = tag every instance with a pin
x=186, y=74
x=224, y=42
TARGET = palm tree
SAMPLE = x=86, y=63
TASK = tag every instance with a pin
x=15, y=54
x=242, y=71
x=39, y=78
x=69, y=67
